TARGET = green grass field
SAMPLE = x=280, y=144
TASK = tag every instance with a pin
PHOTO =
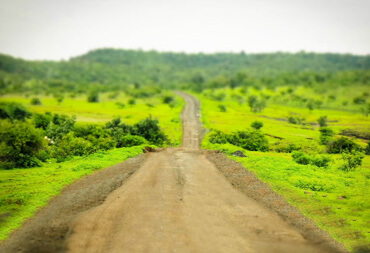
x=109, y=108
x=336, y=200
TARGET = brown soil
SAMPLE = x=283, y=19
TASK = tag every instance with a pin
x=178, y=200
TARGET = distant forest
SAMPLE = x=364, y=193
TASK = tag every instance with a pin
x=115, y=69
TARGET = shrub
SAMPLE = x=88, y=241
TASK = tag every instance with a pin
x=121, y=105
x=20, y=144
x=14, y=111
x=150, y=130
x=131, y=101
x=317, y=160
x=340, y=144
x=42, y=120
x=323, y=121
x=60, y=126
x=168, y=99
x=287, y=148
x=296, y=120
x=131, y=140
x=252, y=140
x=93, y=97
x=35, y=101
x=367, y=149
x=359, y=100
x=257, y=125
x=222, y=108
x=218, y=137
x=301, y=158
x=256, y=104
x=351, y=160
x=326, y=135
x=69, y=146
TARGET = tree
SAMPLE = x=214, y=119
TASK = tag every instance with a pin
x=93, y=97
x=20, y=143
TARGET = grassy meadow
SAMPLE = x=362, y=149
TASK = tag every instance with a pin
x=337, y=200
x=111, y=105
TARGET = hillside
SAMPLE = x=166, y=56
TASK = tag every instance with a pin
x=116, y=69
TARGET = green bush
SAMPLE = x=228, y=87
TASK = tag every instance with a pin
x=168, y=99
x=69, y=146
x=14, y=111
x=131, y=101
x=351, y=160
x=93, y=97
x=252, y=140
x=218, y=137
x=131, y=140
x=287, y=148
x=338, y=145
x=326, y=135
x=20, y=144
x=323, y=121
x=256, y=104
x=317, y=160
x=35, y=101
x=257, y=125
x=359, y=100
x=301, y=158
x=42, y=120
x=367, y=149
x=222, y=108
x=60, y=126
x=150, y=130
x=297, y=120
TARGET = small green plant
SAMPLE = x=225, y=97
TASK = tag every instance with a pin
x=257, y=125
x=14, y=111
x=256, y=104
x=218, y=137
x=351, y=160
x=338, y=145
x=93, y=97
x=367, y=149
x=326, y=135
x=252, y=140
x=131, y=101
x=296, y=120
x=317, y=160
x=168, y=99
x=359, y=100
x=323, y=121
x=222, y=108
x=36, y=101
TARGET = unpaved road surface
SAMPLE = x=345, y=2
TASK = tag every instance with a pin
x=176, y=200
x=179, y=202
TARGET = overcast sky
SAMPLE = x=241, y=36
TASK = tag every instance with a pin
x=59, y=29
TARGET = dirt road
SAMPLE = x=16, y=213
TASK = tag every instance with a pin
x=178, y=201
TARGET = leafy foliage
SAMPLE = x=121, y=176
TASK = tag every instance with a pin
x=318, y=160
x=326, y=135
x=338, y=145
x=14, y=111
x=150, y=130
x=257, y=125
x=351, y=160
x=20, y=144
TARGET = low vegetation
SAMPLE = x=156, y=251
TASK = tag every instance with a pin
x=313, y=155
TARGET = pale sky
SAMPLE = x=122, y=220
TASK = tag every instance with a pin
x=59, y=29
